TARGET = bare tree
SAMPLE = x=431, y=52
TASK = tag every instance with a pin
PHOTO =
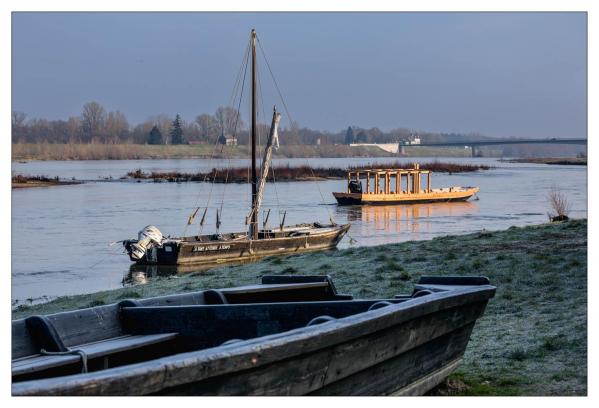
x=208, y=127
x=116, y=127
x=18, y=128
x=93, y=118
x=559, y=204
x=229, y=120
x=18, y=118
x=74, y=130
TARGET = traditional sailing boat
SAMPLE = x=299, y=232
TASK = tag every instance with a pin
x=152, y=248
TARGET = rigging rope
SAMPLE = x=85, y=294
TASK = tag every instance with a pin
x=331, y=218
x=274, y=80
x=227, y=155
x=291, y=121
x=242, y=68
x=272, y=168
x=264, y=110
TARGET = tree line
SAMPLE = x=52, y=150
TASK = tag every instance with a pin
x=97, y=125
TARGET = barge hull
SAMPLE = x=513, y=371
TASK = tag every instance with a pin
x=358, y=201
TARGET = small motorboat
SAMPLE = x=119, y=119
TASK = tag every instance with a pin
x=152, y=248
x=290, y=335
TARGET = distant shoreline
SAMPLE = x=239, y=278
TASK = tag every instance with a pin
x=562, y=161
x=240, y=174
x=50, y=152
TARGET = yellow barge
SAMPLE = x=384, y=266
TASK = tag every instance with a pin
x=398, y=186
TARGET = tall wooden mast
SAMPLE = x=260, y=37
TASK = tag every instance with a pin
x=254, y=215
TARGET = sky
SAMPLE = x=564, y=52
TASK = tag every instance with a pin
x=499, y=74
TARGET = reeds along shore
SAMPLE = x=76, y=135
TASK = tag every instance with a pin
x=301, y=173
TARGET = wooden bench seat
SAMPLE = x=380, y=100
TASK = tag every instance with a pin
x=102, y=348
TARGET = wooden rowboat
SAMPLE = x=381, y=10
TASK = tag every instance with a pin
x=291, y=335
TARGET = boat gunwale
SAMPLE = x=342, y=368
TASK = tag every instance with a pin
x=331, y=230
x=247, y=354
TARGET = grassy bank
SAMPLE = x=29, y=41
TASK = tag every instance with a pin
x=46, y=151
x=532, y=339
x=300, y=173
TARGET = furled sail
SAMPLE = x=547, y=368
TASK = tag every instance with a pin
x=272, y=142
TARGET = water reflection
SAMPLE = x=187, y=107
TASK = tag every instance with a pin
x=385, y=220
x=140, y=274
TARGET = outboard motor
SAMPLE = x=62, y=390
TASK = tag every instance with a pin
x=147, y=237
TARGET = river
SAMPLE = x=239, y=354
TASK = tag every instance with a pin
x=61, y=235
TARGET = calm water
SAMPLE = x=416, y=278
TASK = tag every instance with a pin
x=61, y=235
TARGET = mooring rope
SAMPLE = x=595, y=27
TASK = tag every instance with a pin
x=82, y=354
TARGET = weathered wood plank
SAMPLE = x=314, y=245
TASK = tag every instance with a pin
x=397, y=372
x=430, y=381
x=211, y=325
x=386, y=344
x=75, y=327
x=93, y=350
x=309, y=373
x=98, y=323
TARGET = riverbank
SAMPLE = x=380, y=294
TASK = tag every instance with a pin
x=20, y=181
x=532, y=339
x=300, y=173
x=46, y=151
x=564, y=161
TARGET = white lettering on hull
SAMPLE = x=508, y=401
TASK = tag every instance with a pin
x=205, y=248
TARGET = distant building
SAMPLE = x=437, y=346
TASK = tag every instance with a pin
x=412, y=140
x=415, y=140
x=227, y=140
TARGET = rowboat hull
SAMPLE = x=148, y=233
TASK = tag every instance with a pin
x=404, y=359
x=435, y=196
x=404, y=347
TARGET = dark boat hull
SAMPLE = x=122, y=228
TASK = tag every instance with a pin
x=214, y=252
x=402, y=360
x=405, y=347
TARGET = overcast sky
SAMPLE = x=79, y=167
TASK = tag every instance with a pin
x=500, y=74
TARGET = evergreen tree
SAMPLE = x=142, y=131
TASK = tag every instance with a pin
x=362, y=137
x=349, y=136
x=177, y=131
x=155, y=137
